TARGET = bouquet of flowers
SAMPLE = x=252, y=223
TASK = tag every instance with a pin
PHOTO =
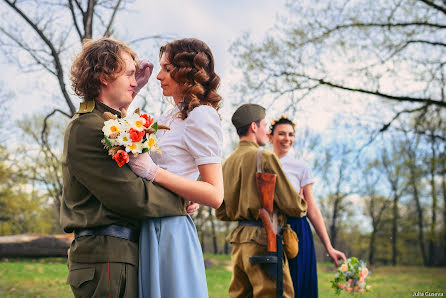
x=134, y=133
x=351, y=277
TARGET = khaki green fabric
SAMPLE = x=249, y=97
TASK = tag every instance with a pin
x=241, y=200
x=103, y=280
x=246, y=114
x=252, y=280
x=96, y=192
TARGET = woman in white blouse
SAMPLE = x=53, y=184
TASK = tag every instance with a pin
x=303, y=267
x=171, y=261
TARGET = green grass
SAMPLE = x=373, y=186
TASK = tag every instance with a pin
x=46, y=278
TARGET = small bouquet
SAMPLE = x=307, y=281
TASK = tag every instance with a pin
x=134, y=133
x=351, y=277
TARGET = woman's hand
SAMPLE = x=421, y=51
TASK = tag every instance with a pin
x=192, y=207
x=335, y=255
x=143, y=75
x=143, y=166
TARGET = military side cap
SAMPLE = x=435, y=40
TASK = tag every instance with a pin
x=246, y=114
x=86, y=107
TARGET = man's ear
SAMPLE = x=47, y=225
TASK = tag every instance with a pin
x=103, y=80
x=253, y=127
x=270, y=137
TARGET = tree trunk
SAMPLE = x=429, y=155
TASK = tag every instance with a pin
x=395, y=229
x=226, y=247
x=419, y=212
x=214, y=235
x=372, y=246
x=35, y=246
x=333, y=227
x=443, y=186
x=434, y=205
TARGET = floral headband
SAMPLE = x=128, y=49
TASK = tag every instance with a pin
x=274, y=122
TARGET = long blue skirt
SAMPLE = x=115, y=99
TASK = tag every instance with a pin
x=303, y=267
x=170, y=259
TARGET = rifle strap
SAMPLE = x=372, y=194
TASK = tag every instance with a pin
x=259, y=161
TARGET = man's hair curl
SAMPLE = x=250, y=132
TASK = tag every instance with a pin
x=99, y=58
x=193, y=70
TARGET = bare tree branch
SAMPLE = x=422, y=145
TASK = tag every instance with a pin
x=54, y=54
x=370, y=25
x=88, y=19
x=76, y=25
x=432, y=4
x=156, y=36
x=107, y=31
x=30, y=52
x=427, y=101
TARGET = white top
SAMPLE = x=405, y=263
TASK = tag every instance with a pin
x=297, y=171
x=195, y=141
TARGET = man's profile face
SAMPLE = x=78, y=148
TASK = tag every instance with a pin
x=119, y=93
x=262, y=133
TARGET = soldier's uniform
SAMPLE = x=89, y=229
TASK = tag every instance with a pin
x=241, y=203
x=97, y=194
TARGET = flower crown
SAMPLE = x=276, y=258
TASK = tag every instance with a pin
x=274, y=122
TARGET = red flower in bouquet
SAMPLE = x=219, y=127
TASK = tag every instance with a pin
x=136, y=135
x=149, y=120
x=121, y=158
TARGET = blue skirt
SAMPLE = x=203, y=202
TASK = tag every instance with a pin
x=303, y=267
x=170, y=259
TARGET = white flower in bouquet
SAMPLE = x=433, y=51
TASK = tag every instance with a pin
x=134, y=147
x=136, y=122
x=124, y=139
x=111, y=127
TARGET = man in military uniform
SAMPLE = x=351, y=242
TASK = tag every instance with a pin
x=241, y=203
x=103, y=203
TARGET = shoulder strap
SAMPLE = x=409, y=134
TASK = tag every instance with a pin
x=259, y=161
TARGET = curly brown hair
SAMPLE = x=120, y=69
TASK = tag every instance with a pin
x=193, y=69
x=98, y=58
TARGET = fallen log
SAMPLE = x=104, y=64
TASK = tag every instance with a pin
x=34, y=245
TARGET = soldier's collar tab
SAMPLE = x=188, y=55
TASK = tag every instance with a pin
x=86, y=107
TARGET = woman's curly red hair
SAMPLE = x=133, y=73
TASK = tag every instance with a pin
x=98, y=59
x=193, y=64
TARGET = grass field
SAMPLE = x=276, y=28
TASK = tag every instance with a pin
x=46, y=278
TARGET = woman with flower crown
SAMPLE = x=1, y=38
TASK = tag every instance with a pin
x=171, y=261
x=303, y=267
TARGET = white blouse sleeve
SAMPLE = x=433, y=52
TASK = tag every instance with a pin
x=307, y=176
x=203, y=136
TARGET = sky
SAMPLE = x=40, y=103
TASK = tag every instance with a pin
x=218, y=23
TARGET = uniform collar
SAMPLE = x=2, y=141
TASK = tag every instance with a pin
x=248, y=144
x=102, y=107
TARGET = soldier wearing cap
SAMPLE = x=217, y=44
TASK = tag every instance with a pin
x=102, y=203
x=241, y=203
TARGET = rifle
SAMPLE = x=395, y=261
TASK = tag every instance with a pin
x=266, y=184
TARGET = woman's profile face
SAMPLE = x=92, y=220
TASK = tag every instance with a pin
x=282, y=138
x=168, y=84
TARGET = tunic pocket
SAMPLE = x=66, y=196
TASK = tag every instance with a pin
x=78, y=276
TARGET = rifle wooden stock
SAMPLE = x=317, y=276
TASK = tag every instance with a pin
x=271, y=232
x=266, y=184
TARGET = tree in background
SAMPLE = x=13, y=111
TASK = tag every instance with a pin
x=388, y=50
x=376, y=205
x=336, y=171
x=392, y=166
x=49, y=40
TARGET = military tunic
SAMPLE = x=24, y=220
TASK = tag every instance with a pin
x=96, y=192
x=241, y=202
